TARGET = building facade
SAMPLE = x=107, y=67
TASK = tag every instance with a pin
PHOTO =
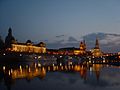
x=81, y=50
x=29, y=48
x=12, y=45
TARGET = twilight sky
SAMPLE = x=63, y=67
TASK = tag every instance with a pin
x=45, y=19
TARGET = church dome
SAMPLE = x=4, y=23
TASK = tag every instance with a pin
x=42, y=44
x=9, y=38
x=29, y=42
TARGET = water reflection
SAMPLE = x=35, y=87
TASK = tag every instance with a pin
x=9, y=73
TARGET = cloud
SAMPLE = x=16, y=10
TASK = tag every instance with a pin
x=60, y=36
x=70, y=39
x=108, y=42
x=60, y=41
x=57, y=45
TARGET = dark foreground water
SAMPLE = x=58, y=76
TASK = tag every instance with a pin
x=31, y=76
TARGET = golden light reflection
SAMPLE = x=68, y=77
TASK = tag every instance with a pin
x=42, y=73
x=28, y=73
x=32, y=71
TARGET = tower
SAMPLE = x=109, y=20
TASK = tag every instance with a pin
x=96, y=52
x=82, y=47
x=97, y=44
x=9, y=32
x=9, y=39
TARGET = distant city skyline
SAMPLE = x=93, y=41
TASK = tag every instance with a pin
x=45, y=20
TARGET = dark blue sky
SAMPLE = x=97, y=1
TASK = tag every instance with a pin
x=44, y=19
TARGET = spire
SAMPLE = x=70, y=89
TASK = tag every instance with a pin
x=84, y=44
x=10, y=32
x=97, y=44
x=81, y=45
x=9, y=39
x=96, y=51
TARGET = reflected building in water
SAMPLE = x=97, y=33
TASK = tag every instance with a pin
x=34, y=70
x=85, y=70
x=28, y=73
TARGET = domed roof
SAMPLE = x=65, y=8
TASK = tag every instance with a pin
x=9, y=38
x=29, y=42
x=42, y=44
x=81, y=44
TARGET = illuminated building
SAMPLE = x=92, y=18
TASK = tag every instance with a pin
x=81, y=50
x=52, y=51
x=96, y=52
x=73, y=51
x=82, y=47
x=77, y=51
x=66, y=51
x=28, y=47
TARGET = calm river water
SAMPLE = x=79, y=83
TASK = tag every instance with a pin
x=32, y=76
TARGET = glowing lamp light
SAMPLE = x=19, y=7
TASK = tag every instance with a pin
x=35, y=57
x=29, y=69
x=48, y=68
x=4, y=68
x=20, y=55
x=20, y=67
x=39, y=57
x=91, y=69
x=9, y=72
x=39, y=65
x=103, y=61
x=60, y=56
x=36, y=70
x=4, y=54
x=26, y=66
x=53, y=64
x=60, y=64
